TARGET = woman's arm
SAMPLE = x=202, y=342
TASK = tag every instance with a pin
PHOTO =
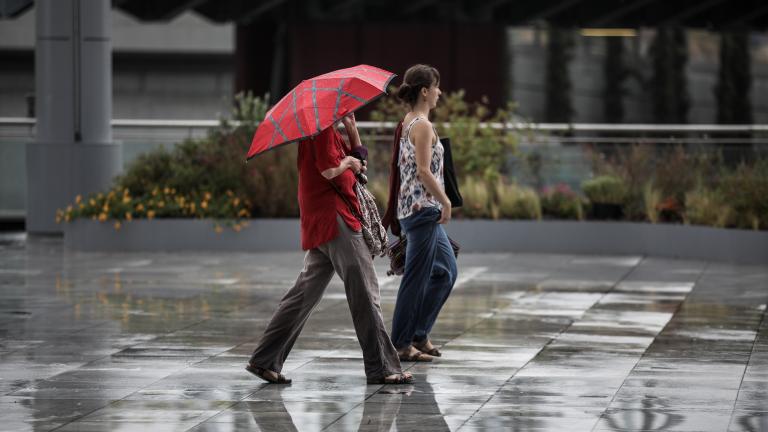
x=423, y=135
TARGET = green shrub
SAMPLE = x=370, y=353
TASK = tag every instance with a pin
x=746, y=189
x=516, y=202
x=561, y=202
x=707, y=207
x=477, y=199
x=605, y=190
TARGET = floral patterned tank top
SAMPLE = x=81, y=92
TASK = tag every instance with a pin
x=413, y=195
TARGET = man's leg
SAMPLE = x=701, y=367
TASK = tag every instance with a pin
x=293, y=311
x=354, y=264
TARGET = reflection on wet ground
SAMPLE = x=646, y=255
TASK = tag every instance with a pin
x=123, y=342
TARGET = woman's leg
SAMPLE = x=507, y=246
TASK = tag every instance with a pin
x=354, y=265
x=293, y=311
x=442, y=278
x=421, y=232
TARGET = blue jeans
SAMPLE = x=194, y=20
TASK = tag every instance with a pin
x=430, y=272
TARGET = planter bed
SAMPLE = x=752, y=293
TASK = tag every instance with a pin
x=568, y=237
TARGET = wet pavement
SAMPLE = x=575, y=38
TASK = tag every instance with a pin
x=139, y=342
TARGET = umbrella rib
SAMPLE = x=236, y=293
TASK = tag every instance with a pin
x=296, y=114
x=314, y=103
x=338, y=100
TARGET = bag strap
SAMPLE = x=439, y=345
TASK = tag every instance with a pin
x=390, y=216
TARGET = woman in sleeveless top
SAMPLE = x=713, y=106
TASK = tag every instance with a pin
x=422, y=210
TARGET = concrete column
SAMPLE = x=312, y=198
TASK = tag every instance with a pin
x=73, y=152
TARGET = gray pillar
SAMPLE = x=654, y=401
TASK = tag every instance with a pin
x=73, y=152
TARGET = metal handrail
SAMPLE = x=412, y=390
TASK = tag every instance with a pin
x=552, y=127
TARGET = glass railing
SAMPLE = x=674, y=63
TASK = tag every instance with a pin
x=547, y=153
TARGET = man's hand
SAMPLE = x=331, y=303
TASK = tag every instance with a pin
x=353, y=163
x=349, y=121
x=445, y=215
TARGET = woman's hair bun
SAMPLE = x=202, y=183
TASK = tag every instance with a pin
x=417, y=77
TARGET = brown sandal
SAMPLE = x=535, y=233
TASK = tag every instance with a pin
x=434, y=352
x=262, y=373
x=418, y=356
x=398, y=379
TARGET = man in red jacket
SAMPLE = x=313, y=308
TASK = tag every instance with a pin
x=332, y=237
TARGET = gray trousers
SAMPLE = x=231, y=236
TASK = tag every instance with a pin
x=350, y=258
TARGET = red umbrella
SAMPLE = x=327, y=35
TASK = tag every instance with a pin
x=317, y=103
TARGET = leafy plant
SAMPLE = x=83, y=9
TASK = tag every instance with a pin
x=561, y=202
x=707, y=207
x=605, y=190
x=746, y=189
x=516, y=202
x=477, y=198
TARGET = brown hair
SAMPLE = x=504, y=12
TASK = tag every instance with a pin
x=415, y=78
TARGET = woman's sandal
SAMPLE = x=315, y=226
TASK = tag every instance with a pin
x=262, y=373
x=434, y=352
x=398, y=379
x=418, y=356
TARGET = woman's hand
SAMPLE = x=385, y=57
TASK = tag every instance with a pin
x=445, y=215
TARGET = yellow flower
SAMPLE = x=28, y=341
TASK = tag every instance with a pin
x=218, y=229
x=242, y=213
x=82, y=206
x=102, y=217
x=236, y=202
x=125, y=191
x=78, y=199
x=150, y=214
x=154, y=192
x=204, y=204
x=126, y=199
x=67, y=218
x=207, y=196
x=139, y=207
x=161, y=204
x=128, y=216
x=192, y=207
x=111, y=194
x=99, y=195
x=117, y=225
x=92, y=202
x=69, y=208
x=167, y=190
x=229, y=193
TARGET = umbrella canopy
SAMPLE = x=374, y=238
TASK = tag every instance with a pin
x=317, y=103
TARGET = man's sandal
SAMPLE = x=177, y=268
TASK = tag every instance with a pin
x=262, y=373
x=434, y=352
x=397, y=379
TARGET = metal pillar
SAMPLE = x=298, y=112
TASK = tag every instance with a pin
x=73, y=152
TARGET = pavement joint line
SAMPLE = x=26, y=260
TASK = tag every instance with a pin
x=642, y=356
x=746, y=366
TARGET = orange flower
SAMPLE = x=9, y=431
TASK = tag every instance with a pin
x=102, y=217
x=151, y=214
x=204, y=204
x=128, y=216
